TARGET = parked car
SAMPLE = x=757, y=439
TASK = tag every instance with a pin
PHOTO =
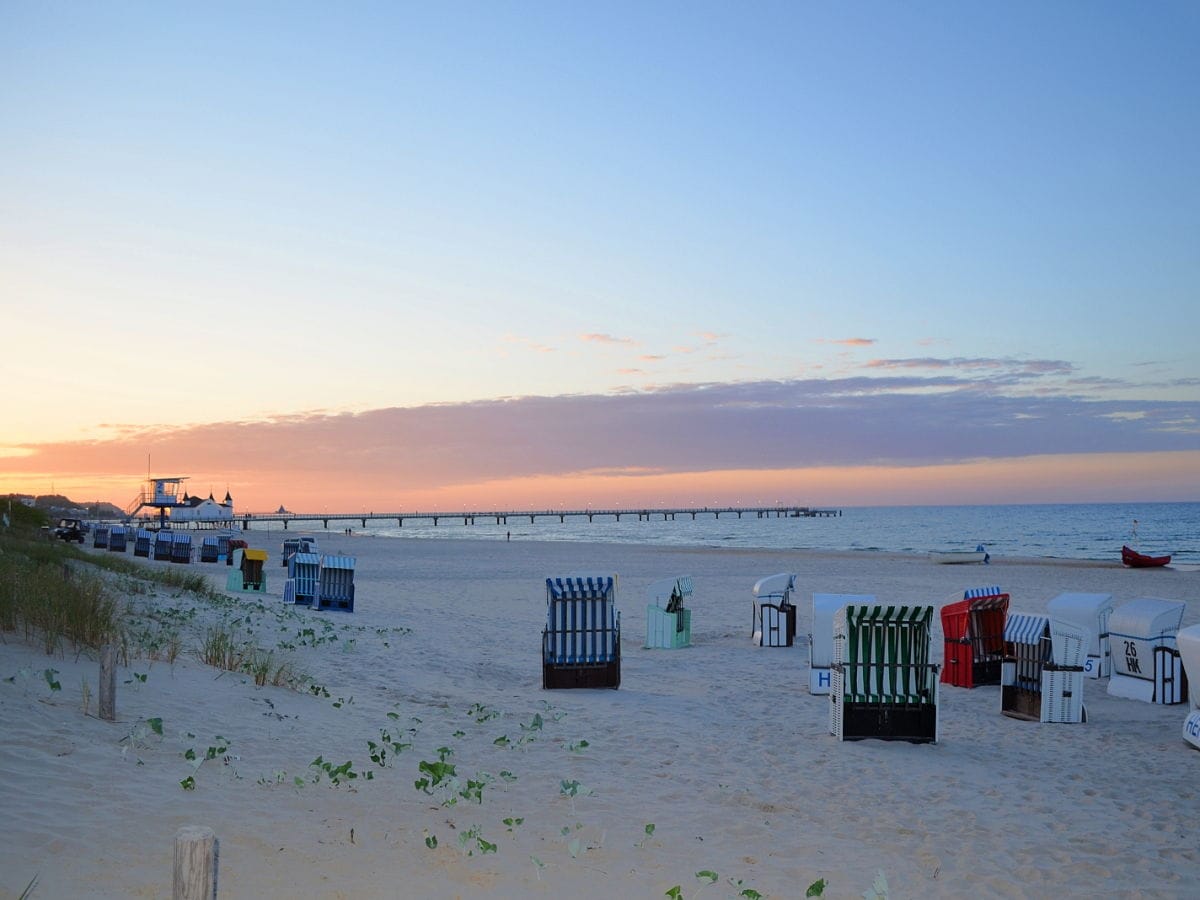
x=70, y=530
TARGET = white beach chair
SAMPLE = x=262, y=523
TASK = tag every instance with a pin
x=773, y=614
x=1188, y=641
x=1146, y=664
x=1091, y=612
x=1041, y=679
x=820, y=640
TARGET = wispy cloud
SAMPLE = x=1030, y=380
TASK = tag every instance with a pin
x=595, y=338
x=848, y=342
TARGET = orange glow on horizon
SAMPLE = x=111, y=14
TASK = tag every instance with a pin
x=1080, y=478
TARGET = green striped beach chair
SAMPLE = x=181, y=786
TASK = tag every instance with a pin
x=668, y=623
x=883, y=685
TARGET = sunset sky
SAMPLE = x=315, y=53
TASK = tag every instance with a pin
x=443, y=255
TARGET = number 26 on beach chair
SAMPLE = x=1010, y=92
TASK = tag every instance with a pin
x=581, y=643
x=883, y=683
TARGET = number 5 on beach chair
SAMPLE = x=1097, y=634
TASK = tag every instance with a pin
x=883, y=683
x=581, y=643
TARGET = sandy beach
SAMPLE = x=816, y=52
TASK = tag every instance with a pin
x=711, y=758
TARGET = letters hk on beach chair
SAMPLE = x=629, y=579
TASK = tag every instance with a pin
x=883, y=685
x=1188, y=640
x=668, y=623
x=335, y=587
x=1091, y=612
x=581, y=643
x=820, y=640
x=973, y=630
x=304, y=578
x=249, y=571
x=773, y=614
x=1042, y=676
x=1146, y=662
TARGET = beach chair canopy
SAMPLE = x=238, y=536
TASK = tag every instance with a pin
x=663, y=591
x=1149, y=620
x=258, y=555
x=1090, y=611
x=580, y=587
x=825, y=607
x=886, y=652
x=775, y=588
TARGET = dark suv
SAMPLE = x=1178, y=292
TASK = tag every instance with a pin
x=70, y=530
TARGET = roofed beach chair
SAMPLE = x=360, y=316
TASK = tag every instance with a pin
x=668, y=623
x=820, y=641
x=581, y=643
x=773, y=614
x=118, y=538
x=181, y=547
x=249, y=571
x=1146, y=664
x=1188, y=640
x=1042, y=676
x=1090, y=611
x=143, y=542
x=304, y=577
x=883, y=685
x=163, y=540
x=210, y=550
x=100, y=537
x=973, y=631
x=227, y=545
x=335, y=584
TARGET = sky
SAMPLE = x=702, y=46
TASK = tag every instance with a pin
x=402, y=256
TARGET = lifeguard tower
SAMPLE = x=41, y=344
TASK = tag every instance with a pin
x=161, y=494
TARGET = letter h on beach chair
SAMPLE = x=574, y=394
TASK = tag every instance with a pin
x=883, y=683
x=973, y=629
x=1188, y=640
x=335, y=589
x=773, y=615
x=1042, y=676
x=668, y=624
x=581, y=643
x=304, y=578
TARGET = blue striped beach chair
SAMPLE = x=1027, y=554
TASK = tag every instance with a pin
x=143, y=542
x=210, y=550
x=883, y=685
x=181, y=547
x=304, y=578
x=1188, y=642
x=581, y=643
x=335, y=588
x=118, y=538
x=1041, y=678
x=668, y=623
x=1146, y=664
x=163, y=541
x=100, y=537
x=773, y=614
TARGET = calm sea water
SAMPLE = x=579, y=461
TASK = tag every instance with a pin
x=1068, y=531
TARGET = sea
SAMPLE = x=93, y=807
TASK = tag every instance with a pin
x=1078, y=531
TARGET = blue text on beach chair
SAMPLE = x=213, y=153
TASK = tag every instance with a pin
x=581, y=643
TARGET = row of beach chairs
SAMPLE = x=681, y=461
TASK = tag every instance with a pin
x=873, y=660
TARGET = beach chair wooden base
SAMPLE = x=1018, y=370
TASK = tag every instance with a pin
x=602, y=675
x=912, y=722
x=335, y=604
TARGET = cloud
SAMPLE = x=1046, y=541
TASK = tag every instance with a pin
x=606, y=339
x=1015, y=367
x=894, y=420
x=848, y=342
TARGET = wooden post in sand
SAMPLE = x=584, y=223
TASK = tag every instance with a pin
x=195, y=872
x=108, y=682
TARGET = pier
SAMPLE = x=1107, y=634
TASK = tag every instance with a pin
x=501, y=517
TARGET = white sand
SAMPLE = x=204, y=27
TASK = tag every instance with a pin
x=720, y=746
